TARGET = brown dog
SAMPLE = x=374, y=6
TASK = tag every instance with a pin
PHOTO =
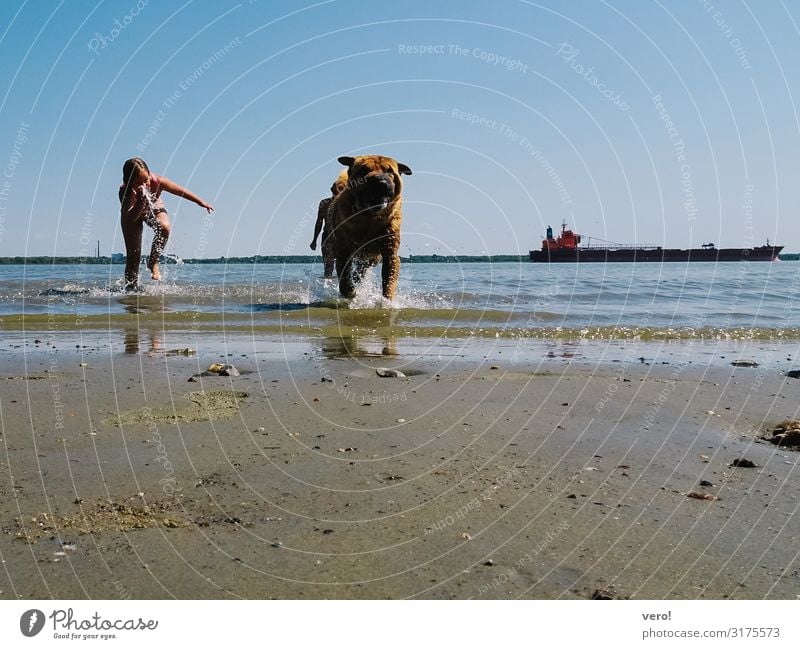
x=366, y=217
x=328, y=252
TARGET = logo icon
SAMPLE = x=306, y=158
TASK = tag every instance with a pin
x=31, y=622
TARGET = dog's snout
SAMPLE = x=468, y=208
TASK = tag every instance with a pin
x=382, y=179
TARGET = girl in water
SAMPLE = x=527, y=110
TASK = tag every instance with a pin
x=140, y=199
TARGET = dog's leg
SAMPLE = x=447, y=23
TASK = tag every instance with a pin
x=359, y=268
x=344, y=269
x=390, y=272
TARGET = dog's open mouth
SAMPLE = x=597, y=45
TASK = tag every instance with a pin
x=376, y=205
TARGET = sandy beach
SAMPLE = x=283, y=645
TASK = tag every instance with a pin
x=480, y=474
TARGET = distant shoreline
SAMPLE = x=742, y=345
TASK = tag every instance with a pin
x=293, y=259
x=266, y=259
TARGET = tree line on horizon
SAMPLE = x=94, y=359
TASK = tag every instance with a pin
x=260, y=259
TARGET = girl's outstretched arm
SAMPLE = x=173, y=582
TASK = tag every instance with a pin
x=175, y=188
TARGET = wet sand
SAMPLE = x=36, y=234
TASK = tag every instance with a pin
x=309, y=476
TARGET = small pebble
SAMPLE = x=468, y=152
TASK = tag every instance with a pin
x=386, y=373
x=602, y=594
x=700, y=496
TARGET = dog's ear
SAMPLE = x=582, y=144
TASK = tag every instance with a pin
x=403, y=169
x=347, y=161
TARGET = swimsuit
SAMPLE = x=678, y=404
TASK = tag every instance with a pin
x=151, y=192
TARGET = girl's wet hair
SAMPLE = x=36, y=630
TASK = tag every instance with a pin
x=130, y=170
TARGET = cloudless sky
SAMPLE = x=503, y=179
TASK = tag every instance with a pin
x=249, y=104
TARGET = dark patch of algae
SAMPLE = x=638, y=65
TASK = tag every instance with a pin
x=209, y=405
x=103, y=516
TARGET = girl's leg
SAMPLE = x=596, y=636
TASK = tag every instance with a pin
x=161, y=232
x=132, y=233
x=328, y=255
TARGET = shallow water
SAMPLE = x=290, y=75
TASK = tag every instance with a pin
x=699, y=301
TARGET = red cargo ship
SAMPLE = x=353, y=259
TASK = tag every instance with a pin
x=566, y=249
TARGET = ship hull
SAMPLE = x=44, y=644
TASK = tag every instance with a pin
x=662, y=255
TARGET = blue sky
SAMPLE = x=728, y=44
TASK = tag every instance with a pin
x=513, y=115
